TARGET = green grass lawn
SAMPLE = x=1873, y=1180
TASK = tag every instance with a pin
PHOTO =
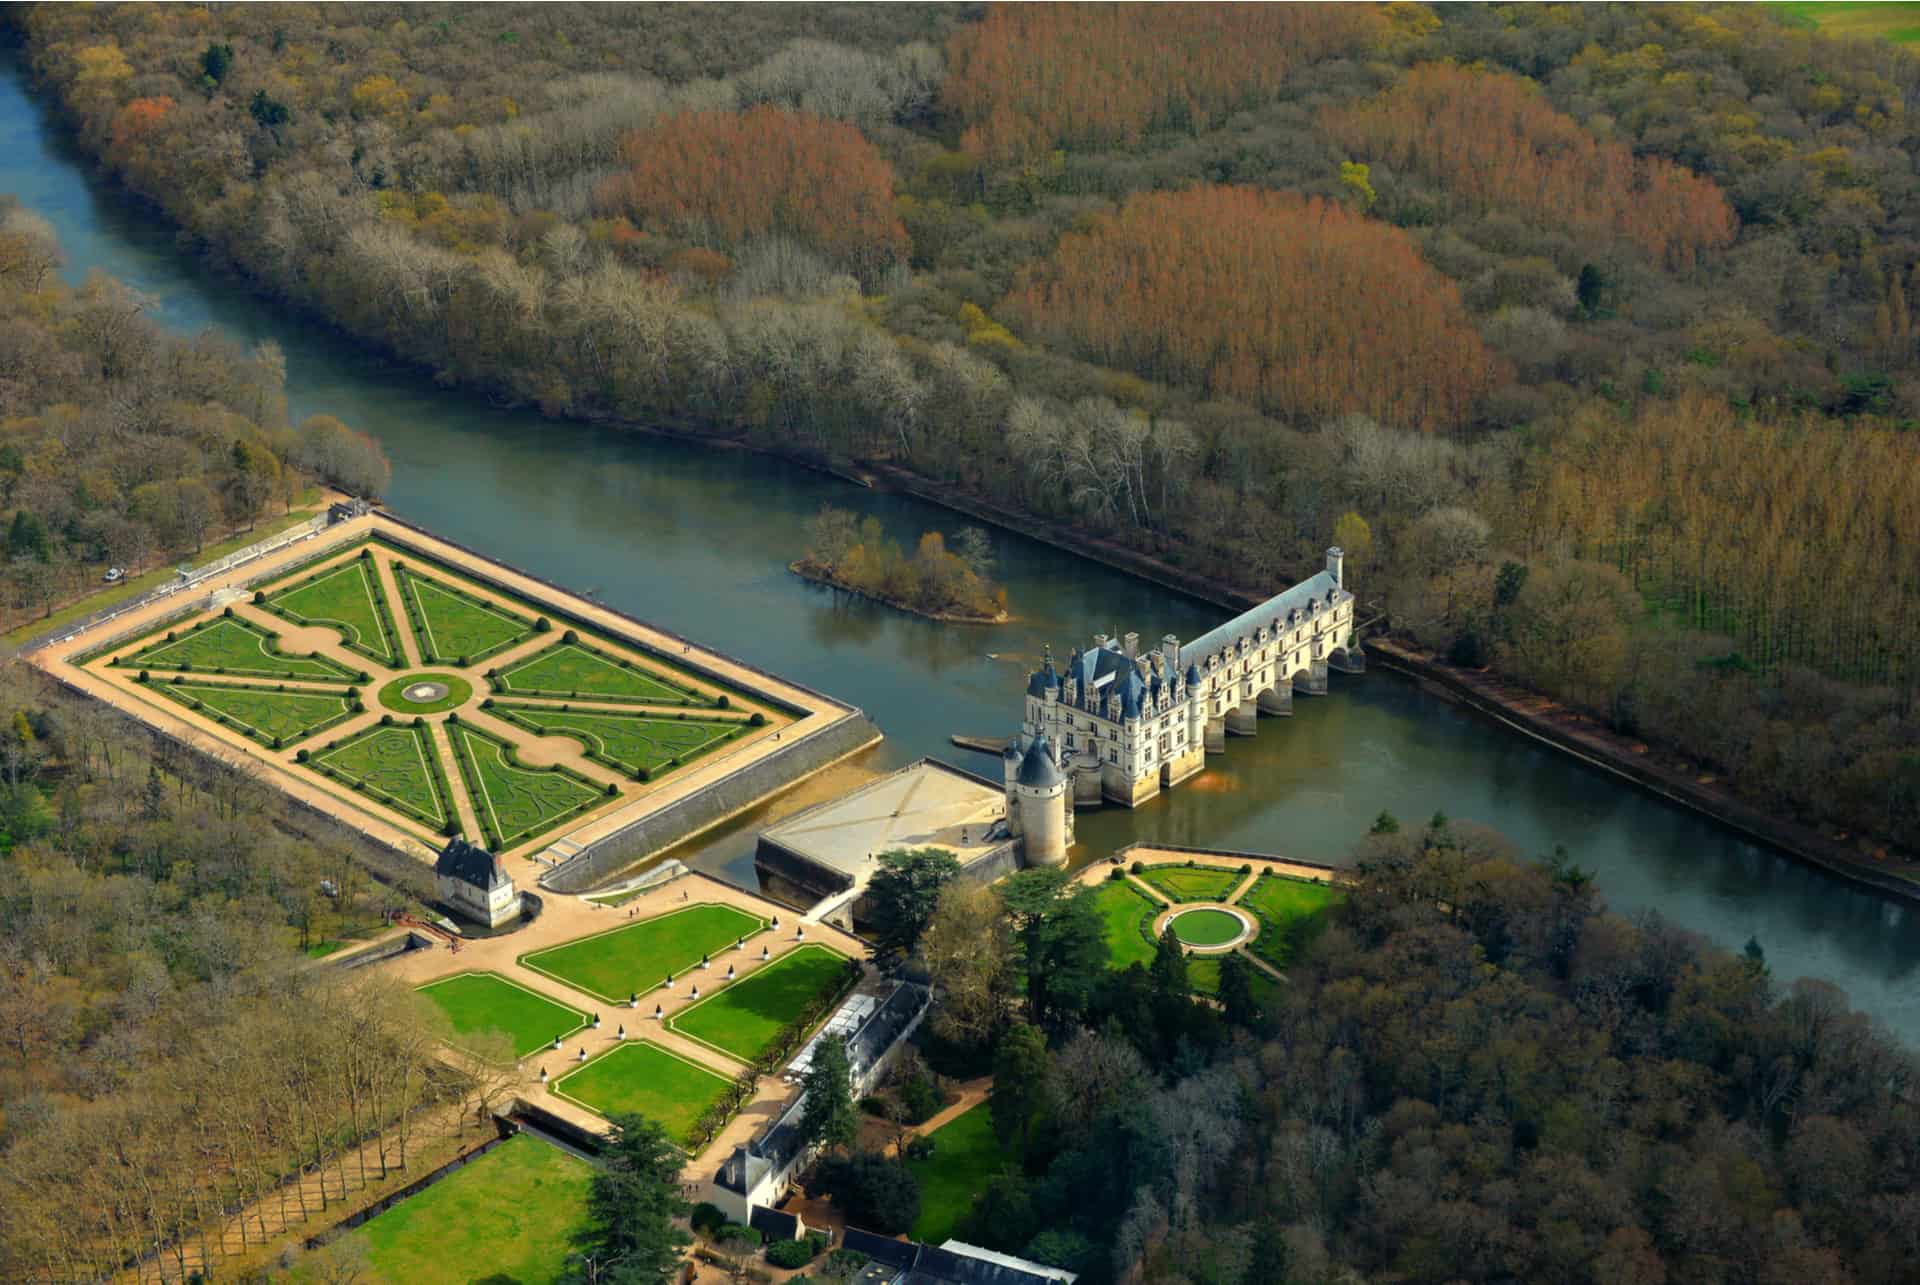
x=477, y=1002
x=1290, y=912
x=514, y=803
x=966, y=1153
x=346, y=597
x=513, y=1214
x=569, y=669
x=1192, y=883
x=451, y=624
x=637, y=957
x=1122, y=907
x=627, y=741
x=393, y=695
x=262, y=713
x=743, y=1019
x=1894, y=22
x=227, y=644
x=398, y=768
x=1206, y=927
x=1203, y=978
x=644, y=1078
x=127, y=590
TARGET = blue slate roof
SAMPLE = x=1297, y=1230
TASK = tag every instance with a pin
x=1038, y=770
x=1274, y=609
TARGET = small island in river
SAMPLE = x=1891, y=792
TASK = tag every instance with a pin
x=853, y=553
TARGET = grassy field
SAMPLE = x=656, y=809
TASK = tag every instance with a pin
x=512, y=1215
x=230, y=645
x=568, y=669
x=346, y=597
x=515, y=803
x=966, y=1153
x=451, y=624
x=1896, y=23
x=1122, y=907
x=1289, y=910
x=127, y=590
x=1192, y=883
x=262, y=713
x=477, y=1002
x=637, y=957
x=743, y=1019
x=644, y=1078
x=1203, y=978
x=1206, y=927
x=627, y=741
x=397, y=767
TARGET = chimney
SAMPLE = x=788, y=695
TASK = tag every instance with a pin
x=1131, y=645
x=1333, y=565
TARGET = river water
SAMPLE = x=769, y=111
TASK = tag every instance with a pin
x=699, y=539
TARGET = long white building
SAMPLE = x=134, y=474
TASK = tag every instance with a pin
x=1123, y=724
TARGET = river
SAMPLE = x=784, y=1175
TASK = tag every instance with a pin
x=699, y=539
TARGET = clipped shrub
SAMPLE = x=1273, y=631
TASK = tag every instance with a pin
x=791, y=1253
x=464, y=662
x=418, y=721
x=569, y=637
x=725, y=702
x=643, y=773
x=279, y=744
x=366, y=555
x=453, y=718
x=487, y=703
x=365, y=677
x=1246, y=867
x=144, y=677
x=451, y=828
x=493, y=673
x=707, y=1218
x=171, y=635
x=259, y=598
x=1137, y=867
x=758, y=719
x=542, y=626
x=359, y=707
x=226, y=613
x=1116, y=875
x=386, y=720
x=301, y=756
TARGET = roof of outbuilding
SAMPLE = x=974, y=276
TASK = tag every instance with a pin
x=472, y=864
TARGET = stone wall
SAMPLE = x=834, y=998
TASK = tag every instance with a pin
x=712, y=804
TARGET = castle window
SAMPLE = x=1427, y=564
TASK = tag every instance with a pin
x=1113, y=756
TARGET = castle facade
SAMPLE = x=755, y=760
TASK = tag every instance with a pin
x=1120, y=724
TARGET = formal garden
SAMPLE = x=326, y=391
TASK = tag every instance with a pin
x=638, y=957
x=393, y=765
x=1281, y=913
x=514, y=1214
x=748, y=1018
x=641, y=1077
x=475, y=1004
x=413, y=640
x=1192, y=883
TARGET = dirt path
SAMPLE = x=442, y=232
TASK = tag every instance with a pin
x=410, y=650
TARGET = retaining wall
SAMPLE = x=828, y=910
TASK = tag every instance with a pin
x=712, y=804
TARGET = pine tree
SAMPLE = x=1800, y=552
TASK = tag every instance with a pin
x=1170, y=966
x=828, y=1118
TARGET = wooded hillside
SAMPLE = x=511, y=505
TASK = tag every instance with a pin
x=1215, y=282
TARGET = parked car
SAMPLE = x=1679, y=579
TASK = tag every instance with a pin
x=114, y=575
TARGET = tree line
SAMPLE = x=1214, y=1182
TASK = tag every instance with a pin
x=852, y=552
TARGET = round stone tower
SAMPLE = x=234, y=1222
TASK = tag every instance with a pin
x=1040, y=798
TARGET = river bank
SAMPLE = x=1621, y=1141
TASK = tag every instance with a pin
x=1882, y=867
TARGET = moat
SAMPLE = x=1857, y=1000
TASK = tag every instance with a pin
x=699, y=540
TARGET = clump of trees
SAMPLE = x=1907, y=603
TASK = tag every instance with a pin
x=855, y=553
x=1030, y=78
x=724, y=177
x=1300, y=307
x=1497, y=145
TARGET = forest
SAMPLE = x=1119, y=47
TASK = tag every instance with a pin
x=1476, y=1072
x=124, y=446
x=851, y=552
x=1482, y=287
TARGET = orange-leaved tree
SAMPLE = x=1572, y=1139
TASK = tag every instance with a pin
x=1496, y=144
x=1031, y=77
x=721, y=177
x=1295, y=304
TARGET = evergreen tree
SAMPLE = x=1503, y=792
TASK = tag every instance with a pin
x=1170, y=966
x=1022, y=1093
x=903, y=893
x=632, y=1238
x=1236, y=990
x=828, y=1117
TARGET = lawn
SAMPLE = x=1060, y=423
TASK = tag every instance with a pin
x=1123, y=908
x=966, y=1153
x=1897, y=23
x=346, y=597
x=229, y=645
x=477, y=1002
x=263, y=713
x=516, y=803
x=395, y=766
x=1206, y=927
x=570, y=669
x=745, y=1018
x=453, y=625
x=644, y=1078
x=637, y=957
x=1192, y=883
x=1290, y=911
x=629, y=742
x=514, y=1215
x=1203, y=978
